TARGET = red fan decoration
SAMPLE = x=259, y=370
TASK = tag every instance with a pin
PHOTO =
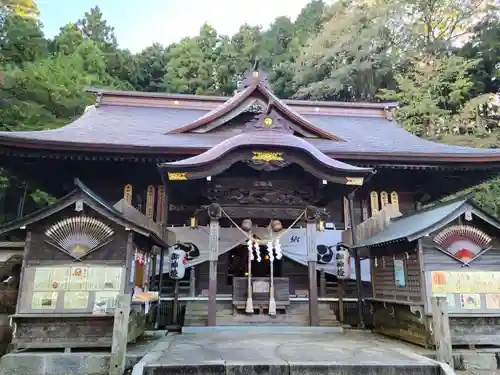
x=464, y=242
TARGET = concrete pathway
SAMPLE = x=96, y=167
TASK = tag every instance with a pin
x=315, y=352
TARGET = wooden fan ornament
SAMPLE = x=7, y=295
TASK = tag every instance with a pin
x=78, y=236
x=463, y=242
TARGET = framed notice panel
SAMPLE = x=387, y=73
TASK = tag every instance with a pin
x=467, y=292
x=73, y=288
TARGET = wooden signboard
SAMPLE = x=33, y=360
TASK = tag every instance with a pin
x=467, y=292
x=70, y=288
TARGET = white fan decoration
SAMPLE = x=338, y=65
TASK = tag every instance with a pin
x=79, y=235
x=463, y=242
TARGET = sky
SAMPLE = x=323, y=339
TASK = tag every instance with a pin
x=140, y=23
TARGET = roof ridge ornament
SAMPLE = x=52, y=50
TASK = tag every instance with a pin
x=254, y=76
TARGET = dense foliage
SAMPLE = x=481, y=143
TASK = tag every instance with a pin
x=440, y=59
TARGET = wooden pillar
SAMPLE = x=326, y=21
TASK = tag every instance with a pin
x=162, y=252
x=129, y=280
x=341, y=301
x=192, y=281
x=214, y=213
x=160, y=284
x=152, y=274
x=120, y=333
x=312, y=257
x=24, y=265
x=441, y=329
x=322, y=284
x=357, y=260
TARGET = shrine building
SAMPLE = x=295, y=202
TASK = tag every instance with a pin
x=263, y=195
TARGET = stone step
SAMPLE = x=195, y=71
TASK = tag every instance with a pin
x=296, y=315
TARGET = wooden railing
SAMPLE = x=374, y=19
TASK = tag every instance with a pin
x=373, y=225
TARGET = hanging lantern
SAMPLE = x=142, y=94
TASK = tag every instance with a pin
x=246, y=225
x=139, y=257
x=193, y=222
x=342, y=262
x=177, y=264
x=321, y=226
x=276, y=226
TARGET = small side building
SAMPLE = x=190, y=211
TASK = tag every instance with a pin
x=79, y=255
x=450, y=250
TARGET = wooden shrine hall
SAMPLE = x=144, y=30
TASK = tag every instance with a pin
x=259, y=192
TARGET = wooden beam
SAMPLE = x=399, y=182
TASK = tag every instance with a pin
x=129, y=258
x=441, y=329
x=27, y=248
x=311, y=266
x=322, y=284
x=212, y=283
x=192, y=281
x=354, y=240
x=120, y=333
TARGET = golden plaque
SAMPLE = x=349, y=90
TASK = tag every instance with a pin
x=177, y=176
x=267, y=156
x=127, y=193
x=354, y=180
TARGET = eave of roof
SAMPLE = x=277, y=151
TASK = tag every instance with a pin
x=241, y=147
x=419, y=224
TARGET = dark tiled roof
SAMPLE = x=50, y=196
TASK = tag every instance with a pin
x=145, y=127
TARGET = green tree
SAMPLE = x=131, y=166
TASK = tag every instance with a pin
x=23, y=8
x=21, y=40
x=70, y=37
x=430, y=93
x=151, y=67
x=192, y=65
x=484, y=46
x=96, y=28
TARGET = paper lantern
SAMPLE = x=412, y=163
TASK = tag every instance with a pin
x=177, y=264
x=342, y=262
x=276, y=226
x=246, y=225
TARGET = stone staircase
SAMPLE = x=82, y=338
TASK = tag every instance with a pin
x=297, y=314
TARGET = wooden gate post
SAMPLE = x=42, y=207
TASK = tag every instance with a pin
x=192, y=281
x=441, y=330
x=214, y=213
x=357, y=261
x=120, y=333
x=312, y=257
x=322, y=284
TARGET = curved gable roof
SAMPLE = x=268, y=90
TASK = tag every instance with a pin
x=253, y=90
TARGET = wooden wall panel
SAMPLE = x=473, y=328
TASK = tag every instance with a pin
x=384, y=284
